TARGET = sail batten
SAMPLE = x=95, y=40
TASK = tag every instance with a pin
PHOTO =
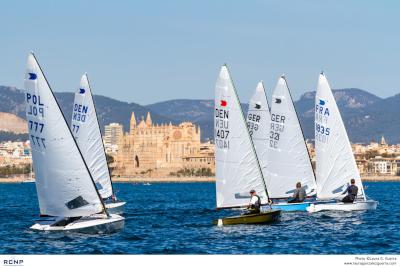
x=86, y=131
x=335, y=162
x=237, y=168
x=287, y=158
x=63, y=181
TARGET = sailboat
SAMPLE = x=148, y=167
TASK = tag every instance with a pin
x=286, y=160
x=68, y=198
x=334, y=157
x=31, y=179
x=237, y=168
x=86, y=131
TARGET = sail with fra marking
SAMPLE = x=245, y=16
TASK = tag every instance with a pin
x=237, y=167
x=334, y=157
x=257, y=119
x=86, y=131
x=63, y=181
x=288, y=160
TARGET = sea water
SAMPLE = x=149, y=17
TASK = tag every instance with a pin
x=174, y=218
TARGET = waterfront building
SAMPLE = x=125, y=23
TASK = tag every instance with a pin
x=112, y=133
x=160, y=149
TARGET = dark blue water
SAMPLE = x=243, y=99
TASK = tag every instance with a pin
x=176, y=219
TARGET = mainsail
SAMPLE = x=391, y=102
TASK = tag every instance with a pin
x=237, y=167
x=257, y=119
x=86, y=130
x=335, y=160
x=288, y=160
x=63, y=181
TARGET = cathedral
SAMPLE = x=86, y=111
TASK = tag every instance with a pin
x=159, y=149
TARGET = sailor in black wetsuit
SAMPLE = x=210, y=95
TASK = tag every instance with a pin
x=255, y=203
x=352, y=191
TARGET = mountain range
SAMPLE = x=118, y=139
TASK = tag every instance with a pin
x=366, y=116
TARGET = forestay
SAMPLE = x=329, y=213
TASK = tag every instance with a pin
x=63, y=182
x=288, y=160
x=257, y=122
x=334, y=157
x=86, y=130
x=237, y=167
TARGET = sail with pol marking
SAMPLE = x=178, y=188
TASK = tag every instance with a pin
x=86, y=130
x=288, y=160
x=334, y=157
x=63, y=181
x=257, y=119
x=237, y=167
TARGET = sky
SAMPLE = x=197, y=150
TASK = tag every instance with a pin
x=151, y=51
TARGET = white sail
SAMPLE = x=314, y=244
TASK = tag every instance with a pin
x=63, y=181
x=287, y=157
x=86, y=130
x=335, y=160
x=257, y=119
x=237, y=167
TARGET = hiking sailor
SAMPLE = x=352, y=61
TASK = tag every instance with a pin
x=299, y=194
x=351, y=191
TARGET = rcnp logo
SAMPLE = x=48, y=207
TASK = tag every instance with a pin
x=13, y=262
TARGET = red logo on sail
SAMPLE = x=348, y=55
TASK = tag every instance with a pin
x=224, y=103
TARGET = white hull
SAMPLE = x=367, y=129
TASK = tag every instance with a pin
x=340, y=206
x=94, y=224
x=116, y=207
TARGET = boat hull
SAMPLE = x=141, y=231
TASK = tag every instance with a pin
x=94, y=224
x=340, y=206
x=259, y=218
x=291, y=206
x=116, y=207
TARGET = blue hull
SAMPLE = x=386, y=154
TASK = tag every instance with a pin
x=291, y=206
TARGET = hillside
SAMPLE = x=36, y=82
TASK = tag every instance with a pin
x=12, y=123
x=108, y=109
x=365, y=115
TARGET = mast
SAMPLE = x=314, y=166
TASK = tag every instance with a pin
x=248, y=135
x=69, y=130
x=336, y=164
x=237, y=167
x=301, y=128
x=98, y=124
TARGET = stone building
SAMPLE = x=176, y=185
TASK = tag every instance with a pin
x=154, y=149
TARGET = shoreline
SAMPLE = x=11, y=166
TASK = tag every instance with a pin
x=10, y=180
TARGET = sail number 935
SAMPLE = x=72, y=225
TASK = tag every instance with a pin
x=322, y=129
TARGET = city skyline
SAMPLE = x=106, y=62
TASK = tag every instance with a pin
x=151, y=52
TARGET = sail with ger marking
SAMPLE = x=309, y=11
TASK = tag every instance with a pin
x=86, y=130
x=288, y=160
x=257, y=119
x=237, y=167
x=334, y=157
x=63, y=182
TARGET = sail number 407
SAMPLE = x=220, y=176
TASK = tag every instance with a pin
x=223, y=134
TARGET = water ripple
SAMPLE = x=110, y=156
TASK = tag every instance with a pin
x=177, y=219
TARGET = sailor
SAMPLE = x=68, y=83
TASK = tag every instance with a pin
x=351, y=191
x=255, y=202
x=299, y=194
